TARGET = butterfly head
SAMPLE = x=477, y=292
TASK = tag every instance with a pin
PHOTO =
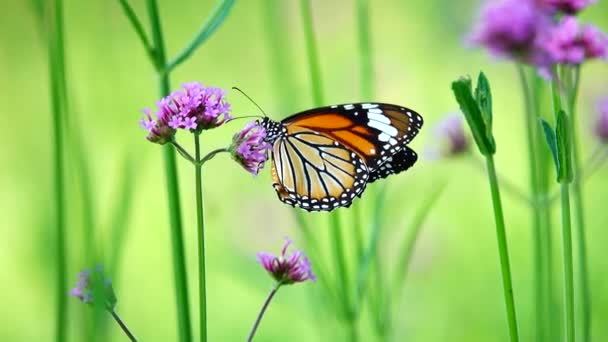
x=274, y=129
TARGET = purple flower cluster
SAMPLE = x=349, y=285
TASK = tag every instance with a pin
x=601, y=126
x=249, y=147
x=287, y=269
x=195, y=108
x=85, y=287
x=450, y=134
x=530, y=32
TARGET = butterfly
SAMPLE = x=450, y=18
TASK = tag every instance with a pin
x=323, y=158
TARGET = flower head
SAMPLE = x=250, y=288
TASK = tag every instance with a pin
x=193, y=108
x=287, y=269
x=249, y=147
x=450, y=136
x=565, y=6
x=86, y=288
x=601, y=124
x=568, y=43
x=508, y=28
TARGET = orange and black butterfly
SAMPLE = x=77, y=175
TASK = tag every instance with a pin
x=323, y=158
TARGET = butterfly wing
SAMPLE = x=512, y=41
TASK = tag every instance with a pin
x=396, y=163
x=315, y=172
x=374, y=131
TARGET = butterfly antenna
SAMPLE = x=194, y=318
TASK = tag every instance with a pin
x=250, y=99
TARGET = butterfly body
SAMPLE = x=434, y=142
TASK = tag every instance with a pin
x=323, y=158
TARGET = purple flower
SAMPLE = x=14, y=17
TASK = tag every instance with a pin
x=194, y=108
x=86, y=287
x=450, y=136
x=565, y=6
x=287, y=269
x=568, y=43
x=249, y=147
x=601, y=125
x=508, y=28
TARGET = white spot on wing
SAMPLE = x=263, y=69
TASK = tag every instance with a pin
x=369, y=105
x=384, y=138
x=349, y=107
x=389, y=130
x=392, y=141
x=378, y=117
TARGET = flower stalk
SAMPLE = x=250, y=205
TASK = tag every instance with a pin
x=263, y=311
x=200, y=223
x=123, y=326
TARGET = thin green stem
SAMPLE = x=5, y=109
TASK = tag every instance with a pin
x=123, y=326
x=579, y=212
x=56, y=69
x=182, y=152
x=138, y=27
x=531, y=129
x=211, y=154
x=342, y=280
x=503, y=250
x=215, y=20
x=200, y=221
x=568, y=263
x=311, y=53
x=179, y=264
x=262, y=311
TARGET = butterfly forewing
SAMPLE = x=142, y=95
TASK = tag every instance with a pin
x=315, y=172
x=374, y=131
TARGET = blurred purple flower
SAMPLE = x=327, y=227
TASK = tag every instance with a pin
x=195, y=108
x=287, y=269
x=249, y=147
x=567, y=43
x=450, y=138
x=85, y=287
x=565, y=6
x=601, y=125
x=508, y=28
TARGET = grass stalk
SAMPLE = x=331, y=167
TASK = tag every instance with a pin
x=503, y=250
x=179, y=264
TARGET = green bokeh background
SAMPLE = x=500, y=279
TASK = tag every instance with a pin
x=453, y=289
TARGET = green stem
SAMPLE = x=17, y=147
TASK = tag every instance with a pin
x=531, y=129
x=179, y=263
x=122, y=326
x=56, y=70
x=342, y=280
x=503, y=250
x=138, y=27
x=211, y=154
x=568, y=263
x=579, y=212
x=262, y=311
x=311, y=52
x=200, y=220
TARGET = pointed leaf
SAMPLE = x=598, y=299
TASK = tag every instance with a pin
x=551, y=140
x=483, y=96
x=463, y=92
x=564, y=144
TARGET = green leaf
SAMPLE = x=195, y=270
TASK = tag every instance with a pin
x=463, y=92
x=564, y=144
x=551, y=140
x=483, y=96
x=215, y=20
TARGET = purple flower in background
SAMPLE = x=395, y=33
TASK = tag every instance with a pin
x=568, y=43
x=287, y=269
x=601, y=125
x=508, y=28
x=565, y=6
x=86, y=287
x=450, y=134
x=249, y=147
x=193, y=108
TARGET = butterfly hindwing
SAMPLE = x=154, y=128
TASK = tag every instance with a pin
x=397, y=163
x=316, y=173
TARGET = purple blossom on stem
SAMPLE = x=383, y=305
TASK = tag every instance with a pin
x=193, y=108
x=508, y=28
x=601, y=124
x=249, y=147
x=565, y=6
x=568, y=43
x=86, y=290
x=287, y=269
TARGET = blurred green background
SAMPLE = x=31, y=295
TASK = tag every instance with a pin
x=452, y=292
